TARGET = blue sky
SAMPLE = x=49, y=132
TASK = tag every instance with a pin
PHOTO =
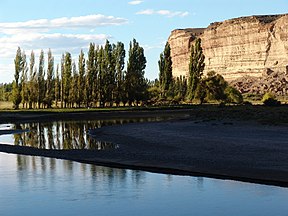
x=69, y=25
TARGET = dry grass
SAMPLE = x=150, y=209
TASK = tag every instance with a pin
x=6, y=105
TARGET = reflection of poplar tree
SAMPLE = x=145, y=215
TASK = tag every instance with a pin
x=50, y=137
x=58, y=146
x=82, y=144
x=41, y=137
x=17, y=137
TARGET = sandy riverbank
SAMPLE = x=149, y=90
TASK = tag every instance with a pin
x=230, y=149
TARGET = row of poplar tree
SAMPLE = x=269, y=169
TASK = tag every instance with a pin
x=99, y=80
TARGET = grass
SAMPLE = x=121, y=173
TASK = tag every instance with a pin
x=259, y=113
x=5, y=105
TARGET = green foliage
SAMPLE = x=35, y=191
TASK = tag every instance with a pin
x=24, y=81
x=270, y=100
x=119, y=55
x=57, y=86
x=90, y=75
x=19, y=67
x=33, y=88
x=215, y=88
x=136, y=85
x=99, y=80
x=233, y=95
x=5, y=92
x=49, y=81
x=67, y=78
x=196, y=68
x=41, y=79
x=81, y=78
x=165, y=72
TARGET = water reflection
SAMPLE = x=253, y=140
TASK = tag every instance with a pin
x=44, y=186
x=60, y=136
x=36, y=171
x=66, y=135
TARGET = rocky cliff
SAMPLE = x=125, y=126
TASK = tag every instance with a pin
x=248, y=46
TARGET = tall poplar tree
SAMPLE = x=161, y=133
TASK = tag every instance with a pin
x=32, y=90
x=90, y=75
x=16, y=92
x=41, y=80
x=101, y=76
x=136, y=85
x=196, y=68
x=81, y=78
x=24, y=81
x=74, y=85
x=109, y=73
x=49, y=83
x=67, y=78
x=57, y=86
x=62, y=80
x=165, y=68
x=119, y=55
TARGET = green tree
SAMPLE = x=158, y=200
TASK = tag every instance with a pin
x=62, y=80
x=269, y=99
x=165, y=71
x=196, y=68
x=180, y=88
x=16, y=92
x=101, y=76
x=74, y=85
x=67, y=78
x=49, y=83
x=136, y=85
x=24, y=81
x=109, y=73
x=81, y=78
x=233, y=95
x=90, y=75
x=119, y=55
x=41, y=80
x=57, y=86
x=32, y=90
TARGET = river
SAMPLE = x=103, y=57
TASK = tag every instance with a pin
x=45, y=186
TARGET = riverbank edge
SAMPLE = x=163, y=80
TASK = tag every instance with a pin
x=75, y=155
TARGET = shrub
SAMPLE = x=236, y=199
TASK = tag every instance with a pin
x=270, y=100
x=233, y=95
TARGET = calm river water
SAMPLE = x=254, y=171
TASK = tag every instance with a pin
x=43, y=186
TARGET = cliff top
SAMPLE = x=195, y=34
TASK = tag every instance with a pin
x=193, y=31
x=263, y=19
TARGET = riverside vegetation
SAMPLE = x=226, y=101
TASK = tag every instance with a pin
x=102, y=80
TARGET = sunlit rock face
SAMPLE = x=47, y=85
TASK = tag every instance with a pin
x=247, y=46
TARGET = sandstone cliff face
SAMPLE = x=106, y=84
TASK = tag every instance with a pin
x=247, y=46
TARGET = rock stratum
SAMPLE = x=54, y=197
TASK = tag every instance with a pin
x=254, y=46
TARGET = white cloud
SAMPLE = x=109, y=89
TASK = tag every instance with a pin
x=45, y=25
x=136, y=2
x=44, y=34
x=166, y=13
x=59, y=43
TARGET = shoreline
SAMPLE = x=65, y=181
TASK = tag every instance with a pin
x=221, y=148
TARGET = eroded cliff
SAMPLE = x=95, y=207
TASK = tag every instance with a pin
x=246, y=46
